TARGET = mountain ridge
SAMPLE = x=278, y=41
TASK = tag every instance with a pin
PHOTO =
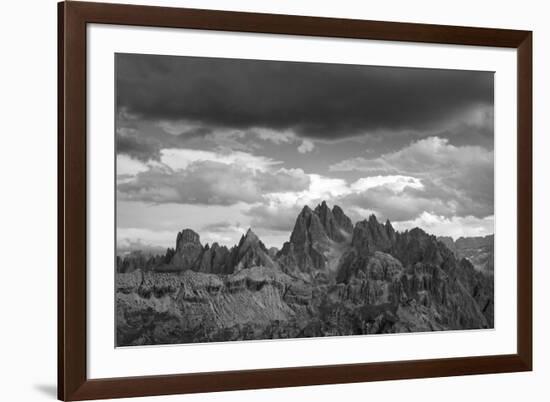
x=330, y=278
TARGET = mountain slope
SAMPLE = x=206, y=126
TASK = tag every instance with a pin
x=478, y=250
x=330, y=278
x=317, y=242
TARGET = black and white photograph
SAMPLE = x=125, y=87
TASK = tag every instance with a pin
x=262, y=199
x=266, y=201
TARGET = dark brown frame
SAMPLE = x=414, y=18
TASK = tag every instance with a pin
x=73, y=383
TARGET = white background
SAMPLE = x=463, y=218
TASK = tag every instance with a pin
x=105, y=361
x=28, y=202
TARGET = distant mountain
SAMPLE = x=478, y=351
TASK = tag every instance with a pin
x=190, y=254
x=478, y=250
x=330, y=278
x=137, y=259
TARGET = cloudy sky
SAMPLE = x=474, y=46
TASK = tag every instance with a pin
x=220, y=145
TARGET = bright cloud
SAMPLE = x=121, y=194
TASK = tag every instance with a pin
x=421, y=158
x=274, y=136
x=126, y=165
x=396, y=183
x=454, y=226
x=190, y=176
x=429, y=183
x=128, y=237
x=180, y=159
x=320, y=188
x=306, y=146
x=279, y=210
x=208, y=182
x=446, y=180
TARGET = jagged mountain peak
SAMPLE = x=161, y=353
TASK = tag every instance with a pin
x=250, y=239
x=307, y=209
x=251, y=235
x=416, y=231
x=190, y=254
x=319, y=236
x=370, y=236
x=342, y=219
x=322, y=207
x=250, y=252
x=188, y=250
x=307, y=223
x=337, y=225
x=187, y=236
x=316, y=285
x=306, y=212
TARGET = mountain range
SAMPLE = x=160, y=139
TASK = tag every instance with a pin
x=330, y=278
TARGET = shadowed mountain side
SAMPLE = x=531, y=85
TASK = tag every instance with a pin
x=317, y=242
x=155, y=308
x=330, y=278
x=478, y=250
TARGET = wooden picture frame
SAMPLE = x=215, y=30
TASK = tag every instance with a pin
x=73, y=382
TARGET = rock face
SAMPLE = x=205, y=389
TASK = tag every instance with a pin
x=190, y=254
x=317, y=241
x=478, y=250
x=370, y=236
x=342, y=220
x=308, y=244
x=161, y=308
x=449, y=242
x=250, y=252
x=188, y=250
x=336, y=224
x=478, y=284
x=330, y=278
x=214, y=260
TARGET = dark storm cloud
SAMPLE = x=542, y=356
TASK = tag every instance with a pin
x=147, y=144
x=323, y=101
x=137, y=147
